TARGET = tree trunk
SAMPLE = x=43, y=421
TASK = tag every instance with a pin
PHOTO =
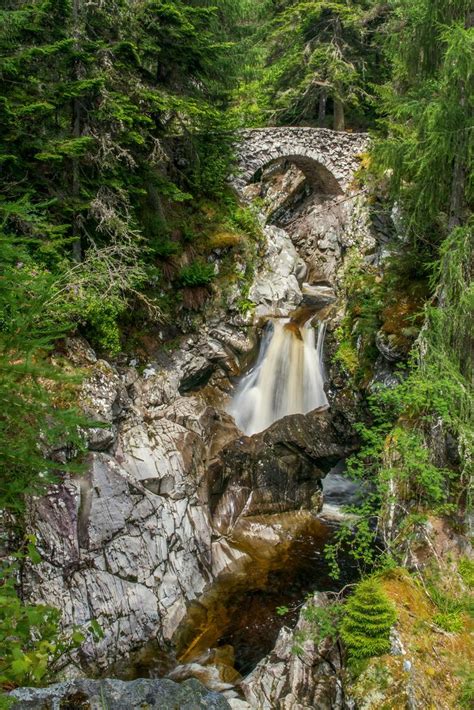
x=76, y=132
x=322, y=107
x=339, y=123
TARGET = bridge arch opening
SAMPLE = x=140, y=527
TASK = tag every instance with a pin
x=320, y=179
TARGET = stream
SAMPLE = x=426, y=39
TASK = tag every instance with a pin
x=236, y=624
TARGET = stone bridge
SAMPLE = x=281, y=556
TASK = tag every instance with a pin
x=329, y=159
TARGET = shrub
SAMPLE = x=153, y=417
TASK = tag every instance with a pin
x=102, y=321
x=33, y=646
x=368, y=618
x=196, y=274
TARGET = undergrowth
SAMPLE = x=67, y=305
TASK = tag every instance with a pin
x=434, y=390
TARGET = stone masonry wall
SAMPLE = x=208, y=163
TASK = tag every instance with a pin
x=329, y=158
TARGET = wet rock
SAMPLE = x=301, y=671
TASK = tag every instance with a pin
x=278, y=470
x=384, y=375
x=340, y=489
x=275, y=291
x=242, y=343
x=118, y=695
x=285, y=680
x=388, y=347
x=214, y=668
x=317, y=296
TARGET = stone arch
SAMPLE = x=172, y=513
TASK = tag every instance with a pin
x=329, y=159
x=319, y=177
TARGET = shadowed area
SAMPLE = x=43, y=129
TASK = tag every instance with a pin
x=319, y=178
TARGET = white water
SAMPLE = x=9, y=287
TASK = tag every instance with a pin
x=286, y=379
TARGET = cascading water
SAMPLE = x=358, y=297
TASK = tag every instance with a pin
x=286, y=379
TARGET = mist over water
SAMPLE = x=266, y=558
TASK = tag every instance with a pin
x=286, y=379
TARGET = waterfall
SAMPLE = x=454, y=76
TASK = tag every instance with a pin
x=286, y=379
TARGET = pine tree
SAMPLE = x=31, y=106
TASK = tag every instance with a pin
x=429, y=106
x=91, y=92
x=321, y=59
x=368, y=618
x=35, y=395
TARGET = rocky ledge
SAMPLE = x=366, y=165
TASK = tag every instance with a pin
x=147, y=694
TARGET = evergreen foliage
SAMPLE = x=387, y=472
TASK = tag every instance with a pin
x=428, y=104
x=320, y=60
x=35, y=395
x=94, y=98
x=425, y=157
x=368, y=618
x=116, y=132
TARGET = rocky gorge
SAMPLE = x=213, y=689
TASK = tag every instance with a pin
x=180, y=515
x=236, y=355
x=186, y=533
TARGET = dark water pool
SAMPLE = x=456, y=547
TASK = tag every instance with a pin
x=255, y=623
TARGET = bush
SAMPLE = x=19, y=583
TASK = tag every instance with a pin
x=102, y=324
x=368, y=618
x=33, y=647
x=196, y=274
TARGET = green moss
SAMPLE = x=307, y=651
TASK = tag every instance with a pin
x=346, y=354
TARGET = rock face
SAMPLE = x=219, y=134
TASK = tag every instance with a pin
x=129, y=543
x=286, y=680
x=322, y=225
x=276, y=289
x=138, y=538
x=317, y=296
x=117, y=695
x=277, y=470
